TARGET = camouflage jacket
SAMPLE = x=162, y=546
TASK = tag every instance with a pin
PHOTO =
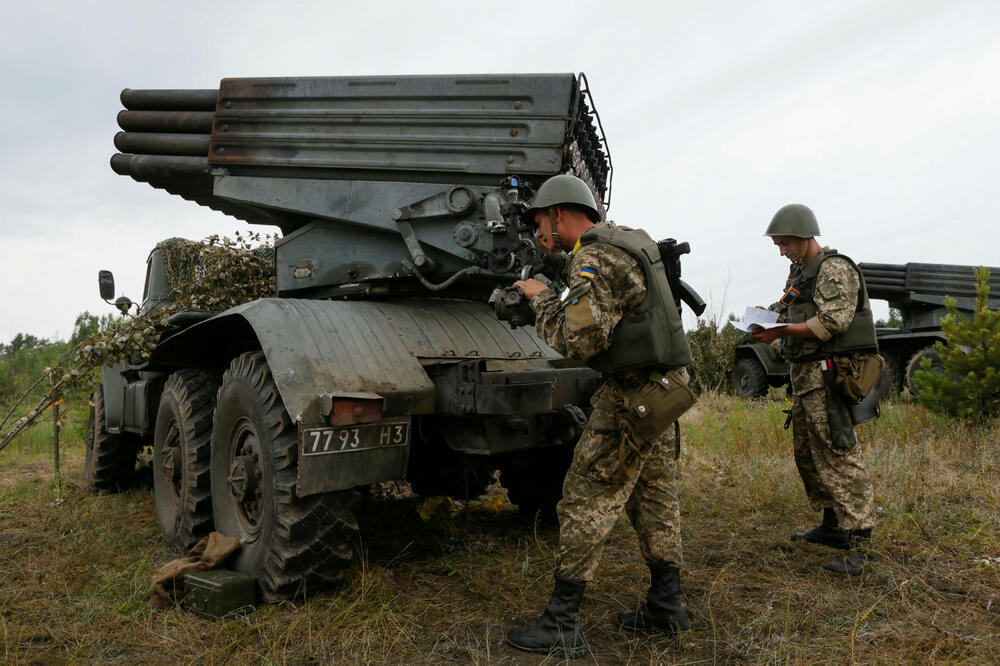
x=836, y=296
x=617, y=285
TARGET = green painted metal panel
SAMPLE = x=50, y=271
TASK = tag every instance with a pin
x=317, y=347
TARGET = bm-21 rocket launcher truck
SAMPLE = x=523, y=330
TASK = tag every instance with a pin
x=399, y=201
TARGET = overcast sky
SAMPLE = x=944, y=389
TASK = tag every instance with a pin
x=884, y=117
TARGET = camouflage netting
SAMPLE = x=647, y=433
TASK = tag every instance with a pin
x=211, y=275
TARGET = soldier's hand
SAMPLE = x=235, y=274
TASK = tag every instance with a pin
x=767, y=335
x=530, y=288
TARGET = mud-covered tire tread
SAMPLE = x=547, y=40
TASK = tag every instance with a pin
x=109, y=463
x=756, y=376
x=312, y=539
x=889, y=382
x=195, y=392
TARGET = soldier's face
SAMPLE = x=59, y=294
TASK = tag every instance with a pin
x=791, y=248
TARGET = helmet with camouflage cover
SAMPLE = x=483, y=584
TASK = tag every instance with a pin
x=793, y=220
x=563, y=189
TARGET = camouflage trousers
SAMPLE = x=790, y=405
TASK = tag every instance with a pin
x=831, y=464
x=597, y=490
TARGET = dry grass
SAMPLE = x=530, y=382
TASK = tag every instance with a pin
x=74, y=567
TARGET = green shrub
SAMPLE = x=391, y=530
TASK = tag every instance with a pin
x=969, y=386
x=211, y=275
x=713, y=353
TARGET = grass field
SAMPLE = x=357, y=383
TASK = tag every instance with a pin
x=75, y=568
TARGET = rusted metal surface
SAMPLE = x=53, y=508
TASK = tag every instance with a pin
x=457, y=124
x=341, y=468
x=467, y=129
x=469, y=388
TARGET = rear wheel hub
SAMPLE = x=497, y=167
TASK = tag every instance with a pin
x=245, y=477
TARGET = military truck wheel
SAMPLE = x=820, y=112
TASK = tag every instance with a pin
x=182, y=445
x=293, y=545
x=911, y=368
x=534, y=480
x=749, y=379
x=109, y=458
x=889, y=382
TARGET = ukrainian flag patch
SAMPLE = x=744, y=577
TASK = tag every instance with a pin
x=588, y=273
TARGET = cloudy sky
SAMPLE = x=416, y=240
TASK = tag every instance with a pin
x=884, y=117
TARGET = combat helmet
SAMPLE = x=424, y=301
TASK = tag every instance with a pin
x=563, y=189
x=793, y=220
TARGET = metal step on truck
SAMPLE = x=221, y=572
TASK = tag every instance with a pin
x=917, y=291
x=399, y=202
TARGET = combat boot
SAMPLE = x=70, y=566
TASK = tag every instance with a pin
x=558, y=630
x=663, y=611
x=857, y=556
x=828, y=533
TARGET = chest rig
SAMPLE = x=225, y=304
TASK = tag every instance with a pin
x=799, y=298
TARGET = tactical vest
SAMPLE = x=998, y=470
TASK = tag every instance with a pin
x=652, y=334
x=860, y=336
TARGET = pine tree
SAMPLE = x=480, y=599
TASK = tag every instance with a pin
x=969, y=387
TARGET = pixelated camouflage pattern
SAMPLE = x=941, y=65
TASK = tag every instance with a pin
x=597, y=489
x=830, y=461
x=836, y=296
x=580, y=325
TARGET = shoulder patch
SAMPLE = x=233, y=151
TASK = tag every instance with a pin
x=588, y=272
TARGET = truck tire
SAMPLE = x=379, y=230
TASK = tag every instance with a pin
x=182, y=445
x=914, y=365
x=109, y=458
x=534, y=480
x=890, y=381
x=293, y=545
x=749, y=379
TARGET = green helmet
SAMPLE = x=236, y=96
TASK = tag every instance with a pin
x=563, y=189
x=793, y=220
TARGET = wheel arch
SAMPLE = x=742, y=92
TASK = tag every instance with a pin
x=773, y=364
x=317, y=347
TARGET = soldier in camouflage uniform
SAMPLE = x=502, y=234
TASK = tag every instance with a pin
x=827, y=306
x=611, y=472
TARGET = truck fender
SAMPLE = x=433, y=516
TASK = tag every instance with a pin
x=315, y=348
x=773, y=364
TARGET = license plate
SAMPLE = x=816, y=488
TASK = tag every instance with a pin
x=320, y=441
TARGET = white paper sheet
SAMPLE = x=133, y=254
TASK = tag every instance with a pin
x=757, y=318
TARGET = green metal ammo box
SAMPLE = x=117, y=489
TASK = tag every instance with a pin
x=219, y=592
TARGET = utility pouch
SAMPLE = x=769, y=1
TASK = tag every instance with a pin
x=653, y=406
x=857, y=375
x=867, y=409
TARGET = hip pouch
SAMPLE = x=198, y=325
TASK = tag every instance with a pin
x=857, y=375
x=866, y=410
x=652, y=407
